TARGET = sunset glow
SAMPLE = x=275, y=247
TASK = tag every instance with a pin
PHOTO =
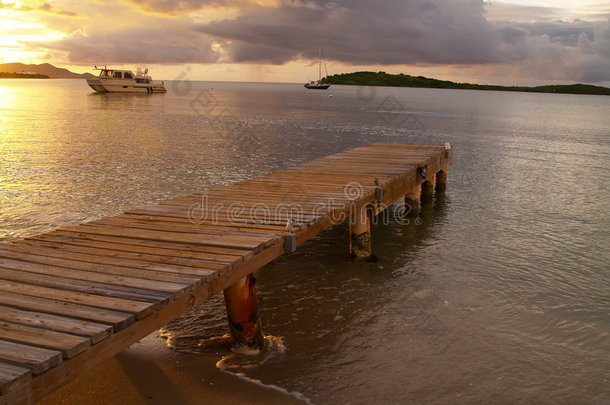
x=276, y=40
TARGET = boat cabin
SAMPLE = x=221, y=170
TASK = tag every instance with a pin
x=116, y=74
x=125, y=74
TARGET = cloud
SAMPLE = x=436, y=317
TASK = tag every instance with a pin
x=137, y=45
x=352, y=32
x=45, y=7
x=417, y=32
x=361, y=32
x=175, y=6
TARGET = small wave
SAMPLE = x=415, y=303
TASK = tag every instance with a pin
x=231, y=363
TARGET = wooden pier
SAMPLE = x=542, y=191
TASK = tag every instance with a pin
x=72, y=298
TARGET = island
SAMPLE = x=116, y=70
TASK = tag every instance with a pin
x=402, y=80
x=22, y=75
x=43, y=71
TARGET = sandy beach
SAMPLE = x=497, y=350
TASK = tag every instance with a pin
x=150, y=373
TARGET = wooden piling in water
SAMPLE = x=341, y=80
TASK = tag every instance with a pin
x=244, y=318
x=411, y=202
x=360, y=233
x=441, y=181
x=427, y=191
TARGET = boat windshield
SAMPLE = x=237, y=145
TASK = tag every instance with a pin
x=107, y=73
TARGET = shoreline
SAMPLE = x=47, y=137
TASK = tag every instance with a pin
x=149, y=373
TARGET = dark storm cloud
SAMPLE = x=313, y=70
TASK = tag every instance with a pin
x=357, y=32
x=388, y=32
x=137, y=45
x=562, y=32
x=362, y=32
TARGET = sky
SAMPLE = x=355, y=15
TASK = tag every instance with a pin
x=507, y=42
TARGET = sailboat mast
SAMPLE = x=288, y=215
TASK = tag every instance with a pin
x=319, y=64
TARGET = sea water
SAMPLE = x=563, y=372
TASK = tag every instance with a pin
x=500, y=293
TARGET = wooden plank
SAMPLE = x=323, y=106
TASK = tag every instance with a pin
x=29, y=357
x=210, y=240
x=286, y=199
x=237, y=212
x=180, y=248
x=233, y=233
x=68, y=345
x=93, y=253
x=12, y=377
x=70, y=284
x=94, y=331
x=213, y=225
x=242, y=217
x=119, y=320
x=123, y=279
x=138, y=308
x=127, y=265
x=117, y=248
x=43, y=264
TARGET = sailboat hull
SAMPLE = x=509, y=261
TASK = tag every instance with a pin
x=317, y=86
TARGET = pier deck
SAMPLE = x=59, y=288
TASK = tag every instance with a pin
x=72, y=298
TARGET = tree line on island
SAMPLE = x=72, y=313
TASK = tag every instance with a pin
x=402, y=80
x=22, y=75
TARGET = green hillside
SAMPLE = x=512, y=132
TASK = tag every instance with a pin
x=402, y=80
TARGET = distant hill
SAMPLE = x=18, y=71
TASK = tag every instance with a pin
x=402, y=80
x=43, y=69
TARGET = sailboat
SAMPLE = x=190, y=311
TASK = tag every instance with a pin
x=318, y=85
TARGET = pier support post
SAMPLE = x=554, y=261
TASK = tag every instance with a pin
x=242, y=310
x=360, y=233
x=427, y=191
x=441, y=181
x=411, y=203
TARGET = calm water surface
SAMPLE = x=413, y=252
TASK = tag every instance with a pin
x=501, y=295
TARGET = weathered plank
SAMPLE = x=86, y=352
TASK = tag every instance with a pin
x=12, y=376
x=29, y=357
x=83, y=245
x=138, y=308
x=69, y=284
x=107, y=272
x=68, y=345
x=179, y=247
x=119, y=320
x=94, y=331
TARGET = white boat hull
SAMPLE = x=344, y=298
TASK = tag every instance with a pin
x=124, y=86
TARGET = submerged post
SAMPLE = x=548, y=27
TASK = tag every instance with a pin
x=242, y=310
x=441, y=180
x=427, y=191
x=411, y=202
x=360, y=233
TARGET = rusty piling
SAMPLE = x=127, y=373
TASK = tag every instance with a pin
x=360, y=233
x=242, y=310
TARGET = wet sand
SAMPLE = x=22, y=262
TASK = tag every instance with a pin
x=150, y=373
